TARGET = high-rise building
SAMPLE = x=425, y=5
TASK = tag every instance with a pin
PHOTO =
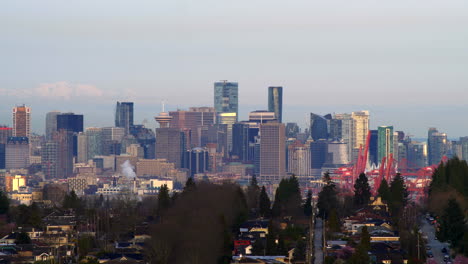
x=240, y=141
x=49, y=159
x=361, y=128
x=318, y=127
x=94, y=142
x=21, y=121
x=5, y=133
x=192, y=121
x=262, y=116
x=318, y=153
x=299, y=161
x=82, y=155
x=275, y=101
x=464, y=148
x=226, y=97
x=196, y=161
x=385, y=142
x=170, y=145
x=272, y=152
x=227, y=119
x=217, y=135
x=417, y=155
x=17, y=153
x=51, y=124
x=64, y=140
x=373, y=147
x=70, y=122
x=124, y=115
x=437, y=146
x=337, y=154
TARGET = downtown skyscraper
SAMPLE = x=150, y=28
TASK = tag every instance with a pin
x=272, y=152
x=226, y=97
x=124, y=115
x=21, y=121
x=275, y=101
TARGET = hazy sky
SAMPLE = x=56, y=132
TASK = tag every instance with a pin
x=404, y=60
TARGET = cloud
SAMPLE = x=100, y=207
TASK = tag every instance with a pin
x=65, y=90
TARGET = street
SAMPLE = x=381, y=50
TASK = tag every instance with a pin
x=436, y=245
x=318, y=253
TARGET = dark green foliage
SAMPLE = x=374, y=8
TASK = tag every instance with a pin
x=362, y=191
x=327, y=199
x=300, y=250
x=359, y=256
x=85, y=245
x=365, y=238
x=22, y=239
x=453, y=174
x=164, y=199
x=288, y=198
x=308, y=204
x=27, y=216
x=258, y=247
x=264, y=203
x=452, y=224
x=253, y=192
x=398, y=197
x=190, y=185
x=72, y=201
x=271, y=247
x=281, y=247
x=4, y=203
x=329, y=260
x=193, y=230
x=226, y=250
x=384, y=190
x=333, y=222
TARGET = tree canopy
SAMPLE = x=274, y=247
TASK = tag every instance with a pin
x=327, y=199
x=362, y=192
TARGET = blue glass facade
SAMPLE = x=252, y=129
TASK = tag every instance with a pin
x=226, y=97
x=275, y=102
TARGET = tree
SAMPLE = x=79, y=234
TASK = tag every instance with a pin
x=398, y=196
x=327, y=199
x=271, y=247
x=288, y=201
x=365, y=238
x=308, y=204
x=190, y=185
x=253, y=192
x=164, y=200
x=23, y=238
x=299, y=251
x=4, y=203
x=384, y=190
x=362, y=191
x=360, y=256
x=258, y=247
x=72, y=201
x=452, y=226
x=264, y=203
x=333, y=222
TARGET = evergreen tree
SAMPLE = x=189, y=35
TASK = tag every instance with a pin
x=23, y=238
x=288, y=199
x=327, y=199
x=333, y=222
x=271, y=247
x=4, y=203
x=253, y=192
x=190, y=185
x=365, y=238
x=300, y=251
x=281, y=248
x=398, y=196
x=164, y=200
x=258, y=248
x=360, y=256
x=308, y=204
x=384, y=190
x=452, y=226
x=226, y=250
x=264, y=203
x=362, y=191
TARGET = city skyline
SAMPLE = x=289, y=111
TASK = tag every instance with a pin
x=393, y=59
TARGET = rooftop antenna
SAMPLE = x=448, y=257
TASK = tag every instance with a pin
x=163, y=106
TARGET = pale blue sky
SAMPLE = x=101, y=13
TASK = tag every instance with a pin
x=405, y=61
